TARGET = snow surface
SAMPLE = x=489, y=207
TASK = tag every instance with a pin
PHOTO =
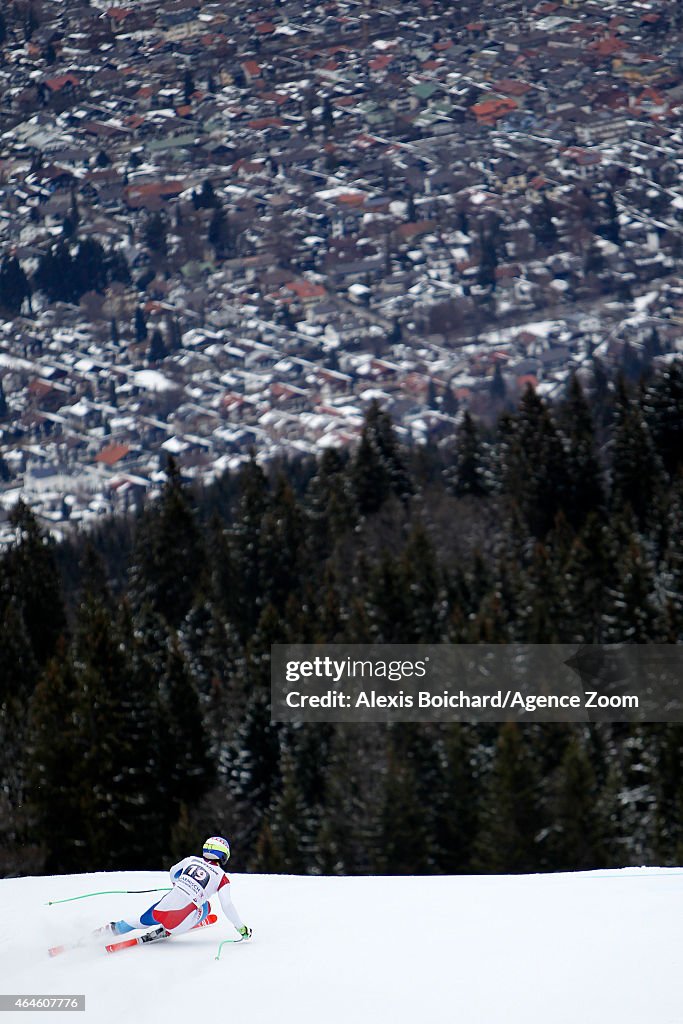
x=600, y=948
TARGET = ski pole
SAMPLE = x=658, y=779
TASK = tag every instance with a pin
x=227, y=942
x=106, y=892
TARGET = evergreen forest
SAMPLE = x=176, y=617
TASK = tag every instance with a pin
x=135, y=659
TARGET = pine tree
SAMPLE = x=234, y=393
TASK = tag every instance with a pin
x=186, y=767
x=14, y=285
x=31, y=22
x=449, y=403
x=594, y=261
x=406, y=839
x=629, y=796
x=498, y=386
x=155, y=233
x=663, y=410
x=169, y=557
x=18, y=676
x=65, y=275
x=542, y=224
x=119, y=713
x=511, y=817
x=157, y=350
x=291, y=826
x=469, y=475
x=116, y=267
x=219, y=233
x=422, y=581
x=241, y=593
x=349, y=839
x=669, y=794
x=652, y=347
x=586, y=576
x=57, y=748
x=281, y=542
x=387, y=603
x=89, y=268
x=378, y=469
x=251, y=767
x=488, y=261
x=584, y=477
x=610, y=229
x=670, y=575
x=633, y=614
x=541, y=600
x=456, y=801
x=206, y=199
x=636, y=468
x=214, y=653
x=330, y=504
x=140, y=325
x=535, y=465
x=74, y=212
x=327, y=117
x=32, y=579
x=577, y=839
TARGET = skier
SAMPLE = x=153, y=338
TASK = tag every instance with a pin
x=195, y=880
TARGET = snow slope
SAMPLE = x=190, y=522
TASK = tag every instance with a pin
x=537, y=949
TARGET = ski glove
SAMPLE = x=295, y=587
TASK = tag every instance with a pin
x=245, y=931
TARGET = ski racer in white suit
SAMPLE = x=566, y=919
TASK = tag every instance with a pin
x=194, y=881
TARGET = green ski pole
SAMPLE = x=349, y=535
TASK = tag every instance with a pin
x=106, y=892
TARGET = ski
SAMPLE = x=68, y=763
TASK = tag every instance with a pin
x=154, y=936
x=115, y=946
x=67, y=946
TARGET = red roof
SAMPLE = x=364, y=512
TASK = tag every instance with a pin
x=606, y=47
x=112, y=454
x=414, y=228
x=275, y=97
x=351, y=198
x=279, y=389
x=153, y=190
x=490, y=110
x=381, y=62
x=230, y=400
x=266, y=122
x=55, y=84
x=306, y=289
x=40, y=387
x=582, y=157
x=511, y=87
x=119, y=13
